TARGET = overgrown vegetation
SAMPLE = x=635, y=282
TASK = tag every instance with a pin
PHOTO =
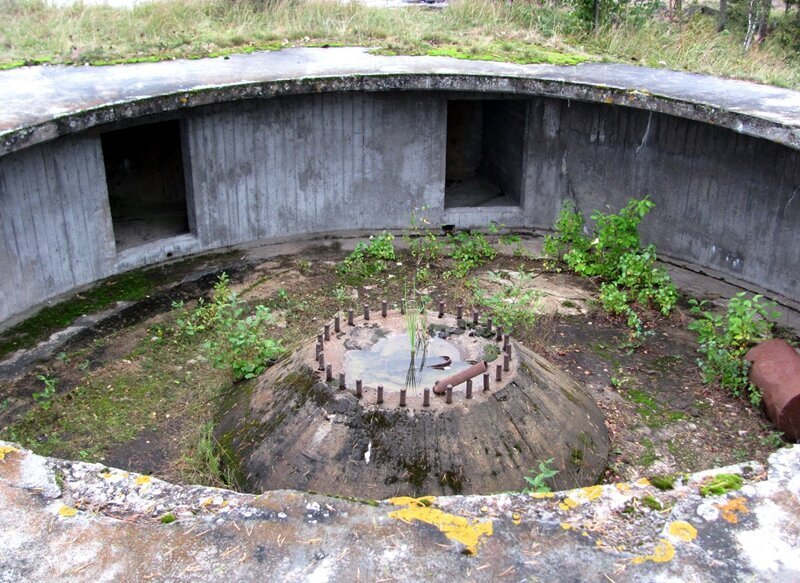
x=369, y=257
x=725, y=338
x=720, y=484
x=233, y=331
x=524, y=32
x=613, y=253
x=515, y=306
x=468, y=250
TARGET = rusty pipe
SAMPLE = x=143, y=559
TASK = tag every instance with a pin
x=456, y=379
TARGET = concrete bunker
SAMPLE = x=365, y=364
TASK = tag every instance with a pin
x=485, y=152
x=146, y=182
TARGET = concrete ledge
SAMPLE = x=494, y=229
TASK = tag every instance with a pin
x=89, y=523
x=38, y=104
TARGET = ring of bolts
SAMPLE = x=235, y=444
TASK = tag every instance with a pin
x=426, y=395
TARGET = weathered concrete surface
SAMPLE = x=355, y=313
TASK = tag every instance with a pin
x=89, y=523
x=296, y=431
x=41, y=103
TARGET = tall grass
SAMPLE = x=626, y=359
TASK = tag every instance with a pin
x=33, y=31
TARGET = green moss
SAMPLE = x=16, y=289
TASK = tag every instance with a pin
x=652, y=503
x=506, y=51
x=417, y=470
x=576, y=456
x=127, y=287
x=720, y=484
x=649, y=455
x=168, y=518
x=666, y=482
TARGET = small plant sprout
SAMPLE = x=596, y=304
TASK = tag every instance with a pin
x=45, y=397
x=537, y=480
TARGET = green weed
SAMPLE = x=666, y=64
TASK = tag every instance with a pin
x=537, y=480
x=45, y=397
x=369, y=258
x=720, y=484
x=468, y=250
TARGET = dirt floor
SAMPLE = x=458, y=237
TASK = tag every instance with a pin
x=129, y=393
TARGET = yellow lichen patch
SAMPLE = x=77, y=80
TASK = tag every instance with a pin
x=142, y=480
x=663, y=553
x=67, y=511
x=623, y=487
x=4, y=449
x=682, y=530
x=456, y=528
x=643, y=482
x=542, y=494
x=569, y=503
x=592, y=492
x=106, y=475
x=566, y=525
x=516, y=517
x=730, y=508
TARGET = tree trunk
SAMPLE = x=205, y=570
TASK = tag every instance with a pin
x=596, y=15
x=763, y=22
x=723, y=15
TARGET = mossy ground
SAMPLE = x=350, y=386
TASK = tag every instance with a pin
x=128, y=398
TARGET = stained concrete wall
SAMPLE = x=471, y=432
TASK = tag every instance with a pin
x=268, y=168
x=723, y=200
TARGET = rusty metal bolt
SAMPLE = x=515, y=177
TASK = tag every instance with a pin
x=499, y=335
x=469, y=389
x=441, y=309
x=319, y=338
x=318, y=349
x=449, y=395
x=460, y=311
x=403, y=397
x=366, y=312
x=506, y=340
x=349, y=317
x=508, y=351
x=337, y=324
x=321, y=359
x=328, y=373
x=327, y=332
x=486, y=381
x=488, y=324
x=384, y=305
x=426, y=397
x=342, y=385
x=475, y=315
x=403, y=307
x=506, y=363
x=379, y=400
x=498, y=375
x=359, y=389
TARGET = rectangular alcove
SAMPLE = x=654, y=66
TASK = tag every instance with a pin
x=146, y=183
x=484, y=160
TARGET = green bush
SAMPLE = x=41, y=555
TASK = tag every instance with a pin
x=613, y=253
x=232, y=330
x=724, y=340
x=369, y=258
x=512, y=307
x=468, y=251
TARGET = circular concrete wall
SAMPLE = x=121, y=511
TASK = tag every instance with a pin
x=107, y=169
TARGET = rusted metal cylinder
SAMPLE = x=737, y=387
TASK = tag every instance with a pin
x=475, y=315
x=403, y=307
x=337, y=324
x=441, y=309
x=506, y=363
x=321, y=360
x=319, y=338
x=508, y=350
x=342, y=384
x=328, y=373
x=460, y=311
x=506, y=340
x=456, y=379
x=349, y=317
x=359, y=389
x=426, y=397
x=403, y=397
x=384, y=307
x=499, y=334
x=379, y=400
x=317, y=349
x=449, y=395
x=498, y=373
x=486, y=381
x=366, y=311
x=469, y=388
x=776, y=371
x=327, y=332
x=489, y=324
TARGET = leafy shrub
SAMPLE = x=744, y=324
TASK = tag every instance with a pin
x=423, y=244
x=613, y=253
x=724, y=340
x=512, y=307
x=469, y=251
x=369, y=258
x=536, y=481
x=233, y=331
